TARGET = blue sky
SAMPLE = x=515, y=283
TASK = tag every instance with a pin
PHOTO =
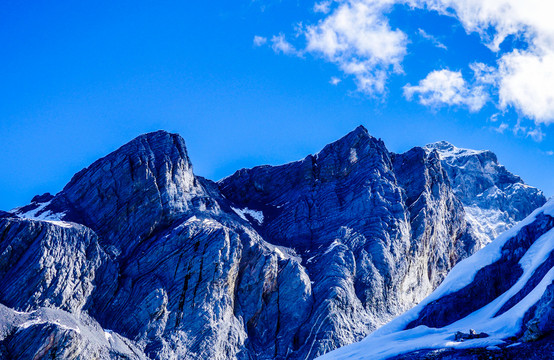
x=79, y=80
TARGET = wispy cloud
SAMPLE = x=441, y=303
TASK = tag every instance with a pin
x=501, y=128
x=322, y=7
x=431, y=38
x=536, y=134
x=279, y=44
x=334, y=80
x=259, y=40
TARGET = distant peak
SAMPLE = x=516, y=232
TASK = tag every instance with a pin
x=447, y=150
x=441, y=144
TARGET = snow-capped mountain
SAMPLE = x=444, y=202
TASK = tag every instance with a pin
x=494, y=304
x=494, y=199
x=137, y=257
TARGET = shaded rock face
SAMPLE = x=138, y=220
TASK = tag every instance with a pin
x=494, y=199
x=503, y=294
x=139, y=258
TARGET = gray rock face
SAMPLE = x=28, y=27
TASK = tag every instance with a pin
x=494, y=199
x=45, y=264
x=139, y=258
x=50, y=333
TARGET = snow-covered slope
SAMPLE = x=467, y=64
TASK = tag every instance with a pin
x=494, y=199
x=504, y=293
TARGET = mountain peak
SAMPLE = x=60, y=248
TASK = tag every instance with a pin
x=360, y=129
x=354, y=146
x=490, y=193
x=148, y=179
x=359, y=132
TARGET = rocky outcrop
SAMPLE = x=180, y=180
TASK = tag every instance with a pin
x=138, y=257
x=50, y=333
x=158, y=257
x=46, y=264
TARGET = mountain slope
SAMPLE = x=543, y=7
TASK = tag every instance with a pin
x=138, y=257
x=505, y=292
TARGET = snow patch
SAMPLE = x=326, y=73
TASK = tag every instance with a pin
x=39, y=213
x=353, y=156
x=333, y=245
x=486, y=223
x=254, y=214
x=447, y=150
x=40, y=321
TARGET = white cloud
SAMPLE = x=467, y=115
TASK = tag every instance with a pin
x=334, y=80
x=494, y=20
x=527, y=83
x=431, y=38
x=536, y=134
x=322, y=7
x=445, y=87
x=501, y=128
x=259, y=40
x=525, y=76
x=358, y=38
x=279, y=44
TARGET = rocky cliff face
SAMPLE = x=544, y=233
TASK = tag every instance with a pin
x=494, y=199
x=496, y=304
x=139, y=258
x=376, y=231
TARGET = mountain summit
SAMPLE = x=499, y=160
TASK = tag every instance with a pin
x=139, y=258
